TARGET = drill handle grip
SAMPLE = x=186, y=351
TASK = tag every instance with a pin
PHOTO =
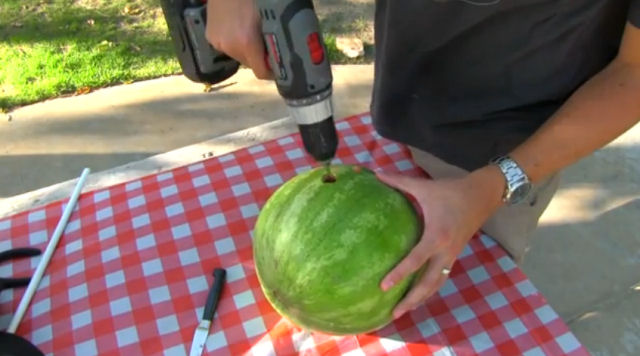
x=296, y=51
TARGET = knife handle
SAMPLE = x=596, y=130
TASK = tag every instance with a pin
x=214, y=294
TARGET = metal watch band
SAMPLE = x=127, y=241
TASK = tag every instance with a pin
x=517, y=182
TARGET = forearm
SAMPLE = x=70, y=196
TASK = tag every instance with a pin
x=601, y=110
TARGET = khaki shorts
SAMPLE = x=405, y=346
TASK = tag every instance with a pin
x=510, y=226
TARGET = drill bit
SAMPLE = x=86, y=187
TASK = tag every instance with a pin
x=327, y=166
x=328, y=176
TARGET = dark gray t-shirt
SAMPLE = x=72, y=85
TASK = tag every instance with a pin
x=469, y=79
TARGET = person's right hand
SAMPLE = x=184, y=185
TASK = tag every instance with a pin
x=233, y=27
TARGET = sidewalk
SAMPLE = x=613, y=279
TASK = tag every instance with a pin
x=52, y=141
x=585, y=256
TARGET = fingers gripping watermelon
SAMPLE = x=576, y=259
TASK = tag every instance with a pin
x=322, y=249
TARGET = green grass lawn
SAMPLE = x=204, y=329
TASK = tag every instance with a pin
x=56, y=47
x=50, y=48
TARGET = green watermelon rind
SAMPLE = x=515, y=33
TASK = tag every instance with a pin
x=299, y=302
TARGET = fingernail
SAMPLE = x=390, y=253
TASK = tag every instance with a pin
x=386, y=285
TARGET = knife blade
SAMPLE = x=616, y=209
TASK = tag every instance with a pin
x=202, y=331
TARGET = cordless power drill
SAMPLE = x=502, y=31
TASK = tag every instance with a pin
x=295, y=52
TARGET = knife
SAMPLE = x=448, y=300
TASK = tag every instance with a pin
x=202, y=331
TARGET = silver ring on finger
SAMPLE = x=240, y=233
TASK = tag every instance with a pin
x=445, y=271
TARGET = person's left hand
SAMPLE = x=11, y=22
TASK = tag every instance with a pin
x=453, y=209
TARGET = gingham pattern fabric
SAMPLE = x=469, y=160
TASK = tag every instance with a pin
x=132, y=271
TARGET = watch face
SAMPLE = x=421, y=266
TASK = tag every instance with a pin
x=520, y=193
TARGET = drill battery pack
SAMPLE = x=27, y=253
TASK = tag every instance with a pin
x=200, y=62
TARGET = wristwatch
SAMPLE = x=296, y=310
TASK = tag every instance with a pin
x=518, y=185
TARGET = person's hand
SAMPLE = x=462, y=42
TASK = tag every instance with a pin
x=233, y=27
x=453, y=209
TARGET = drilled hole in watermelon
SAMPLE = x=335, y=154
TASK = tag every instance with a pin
x=328, y=178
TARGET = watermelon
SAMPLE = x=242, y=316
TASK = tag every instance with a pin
x=322, y=247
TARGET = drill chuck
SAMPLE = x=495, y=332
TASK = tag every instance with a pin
x=320, y=139
x=311, y=110
x=314, y=116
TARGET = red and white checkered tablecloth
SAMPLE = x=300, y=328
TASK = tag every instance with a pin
x=132, y=271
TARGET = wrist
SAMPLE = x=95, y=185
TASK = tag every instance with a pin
x=487, y=185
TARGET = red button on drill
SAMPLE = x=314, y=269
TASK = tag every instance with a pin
x=315, y=48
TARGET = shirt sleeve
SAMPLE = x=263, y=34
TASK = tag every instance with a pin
x=634, y=13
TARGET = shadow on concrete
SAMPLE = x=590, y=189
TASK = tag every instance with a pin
x=586, y=255
x=24, y=173
x=588, y=267
x=209, y=114
x=619, y=317
x=127, y=133
x=608, y=258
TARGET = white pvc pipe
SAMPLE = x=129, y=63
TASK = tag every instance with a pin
x=46, y=257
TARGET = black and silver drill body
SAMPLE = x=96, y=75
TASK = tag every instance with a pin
x=200, y=62
x=295, y=53
x=298, y=59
